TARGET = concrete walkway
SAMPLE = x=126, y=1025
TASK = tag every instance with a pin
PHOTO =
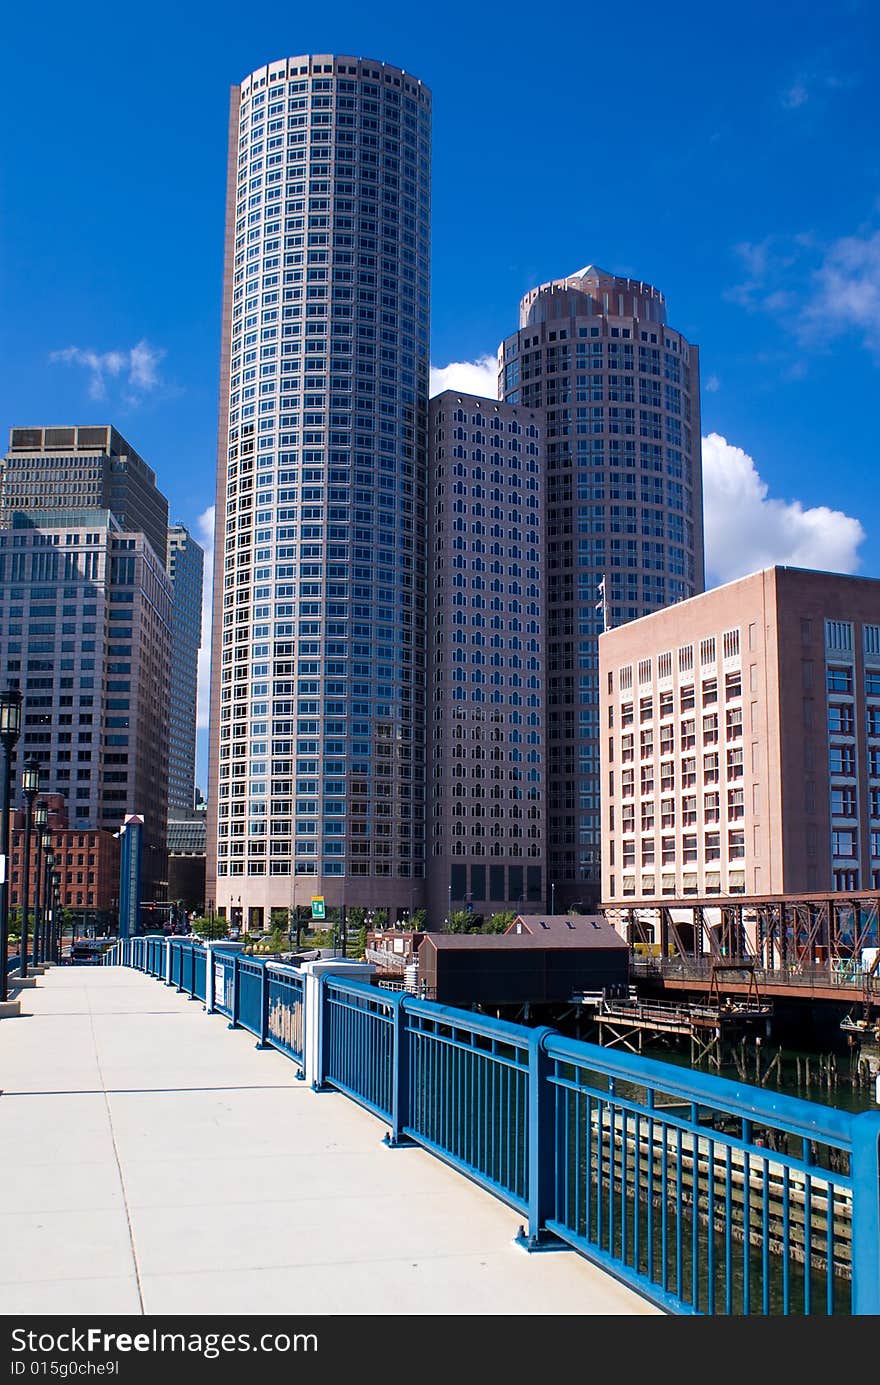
x=153, y=1161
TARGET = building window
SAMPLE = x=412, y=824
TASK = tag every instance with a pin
x=840, y=719
x=839, y=679
x=842, y=760
x=736, y=845
x=843, y=842
x=843, y=803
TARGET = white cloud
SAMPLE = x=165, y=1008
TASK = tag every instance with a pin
x=136, y=367
x=205, y=536
x=712, y=385
x=747, y=529
x=817, y=292
x=846, y=293
x=471, y=377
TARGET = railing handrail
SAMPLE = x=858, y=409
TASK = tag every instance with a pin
x=739, y=1099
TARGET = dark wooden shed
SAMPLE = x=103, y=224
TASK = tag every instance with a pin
x=542, y=965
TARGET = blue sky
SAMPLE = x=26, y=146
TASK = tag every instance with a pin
x=727, y=154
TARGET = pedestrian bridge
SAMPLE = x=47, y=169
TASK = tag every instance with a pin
x=159, y=1162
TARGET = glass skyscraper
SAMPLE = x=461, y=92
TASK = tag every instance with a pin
x=318, y=657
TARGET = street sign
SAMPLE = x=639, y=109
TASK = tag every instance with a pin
x=318, y=906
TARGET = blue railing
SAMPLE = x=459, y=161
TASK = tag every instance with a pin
x=224, y=982
x=358, y=1024
x=708, y=1196
x=285, y=1024
x=468, y=1094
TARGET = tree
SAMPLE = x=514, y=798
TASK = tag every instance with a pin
x=461, y=922
x=499, y=923
x=416, y=922
x=211, y=928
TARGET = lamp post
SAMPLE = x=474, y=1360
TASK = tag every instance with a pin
x=56, y=912
x=10, y=730
x=41, y=817
x=50, y=902
x=552, y=898
x=30, y=785
x=46, y=844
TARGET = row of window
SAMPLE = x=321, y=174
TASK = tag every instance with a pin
x=665, y=699
x=687, y=851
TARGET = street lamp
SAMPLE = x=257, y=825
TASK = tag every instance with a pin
x=56, y=892
x=10, y=730
x=41, y=817
x=46, y=844
x=30, y=785
x=552, y=898
x=50, y=903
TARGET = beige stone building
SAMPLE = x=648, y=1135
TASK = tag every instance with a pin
x=740, y=741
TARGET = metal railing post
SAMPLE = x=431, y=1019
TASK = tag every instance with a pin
x=865, y=1223
x=209, y=979
x=264, y=1008
x=319, y=1033
x=192, y=971
x=541, y=1144
x=399, y=1077
x=167, y=961
x=233, y=1019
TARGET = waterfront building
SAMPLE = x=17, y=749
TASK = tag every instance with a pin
x=52, y=470
x=741, y=741
x=185, y=563
x=486, y=715
x=619, y=389
x=317, y=745
x=85, y=633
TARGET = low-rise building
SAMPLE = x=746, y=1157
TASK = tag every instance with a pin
x=741, y=741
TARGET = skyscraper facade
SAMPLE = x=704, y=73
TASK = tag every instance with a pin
x=620, y=391
x=486, y=676
x=82, y=468
x=85, y=632
x=185, y=562
x=318, y=658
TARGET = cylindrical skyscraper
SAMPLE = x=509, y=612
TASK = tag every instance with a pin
x=620, y=390
x=318, y=658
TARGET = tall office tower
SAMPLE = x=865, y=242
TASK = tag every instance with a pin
x=54, y=469
x=317, y=715
x=185, y=562
x=620, y=391
x=486, y=674
x=85, y=632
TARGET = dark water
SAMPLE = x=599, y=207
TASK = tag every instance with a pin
x=845, y=1096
